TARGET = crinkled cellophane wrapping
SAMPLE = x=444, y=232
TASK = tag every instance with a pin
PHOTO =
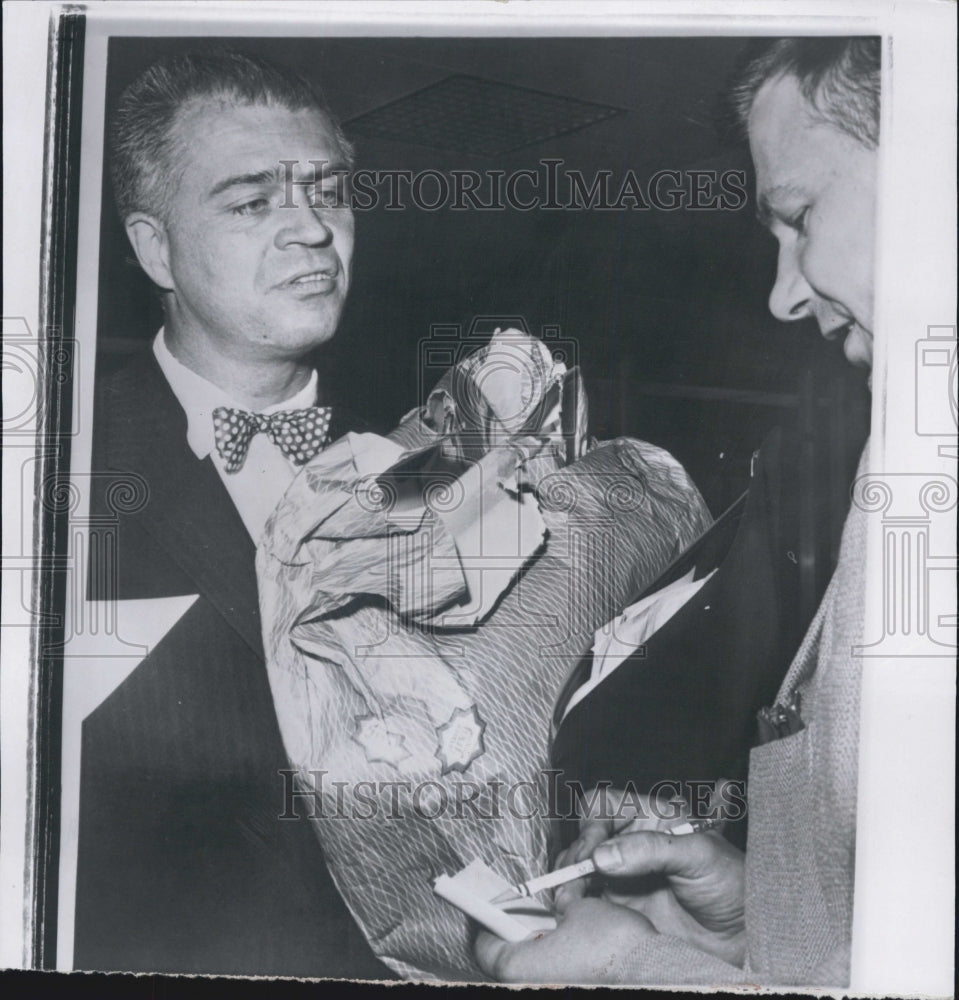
x=370, y=693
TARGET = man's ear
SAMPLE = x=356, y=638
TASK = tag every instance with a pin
x=151, y=244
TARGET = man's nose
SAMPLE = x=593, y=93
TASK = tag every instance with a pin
x=791, y=296
x=304, y=222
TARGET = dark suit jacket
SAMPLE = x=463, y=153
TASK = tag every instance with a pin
x=682, y=708
x=183, y=863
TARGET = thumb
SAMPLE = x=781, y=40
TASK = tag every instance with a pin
x=648, y=852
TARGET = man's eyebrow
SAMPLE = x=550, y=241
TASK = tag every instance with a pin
x=278, y=175
x=763, y=214
x=764, y=211
x=271, y=175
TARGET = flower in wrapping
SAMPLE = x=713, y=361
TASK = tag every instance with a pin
x=423, y=598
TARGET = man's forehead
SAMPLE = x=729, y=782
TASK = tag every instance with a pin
x=793, y=149
x=779, y=123
x=219, y=135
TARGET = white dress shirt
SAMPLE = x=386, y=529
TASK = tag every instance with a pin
x=258, y=486
x=618, y=639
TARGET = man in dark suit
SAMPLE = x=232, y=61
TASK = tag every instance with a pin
x=223, y=174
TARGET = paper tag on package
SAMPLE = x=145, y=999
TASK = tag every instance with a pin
x=473, y=890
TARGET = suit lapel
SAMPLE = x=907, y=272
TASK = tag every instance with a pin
x=189, y=511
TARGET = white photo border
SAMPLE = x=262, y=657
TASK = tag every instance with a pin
x=904, y=915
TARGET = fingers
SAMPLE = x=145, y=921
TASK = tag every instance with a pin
x=591, y=835
x=579, y=850
x=532, y=960
x=567, y=856
x=490, y=951
x=585, y=945
x=594, y=833
x=565, y=895
x=647, y=853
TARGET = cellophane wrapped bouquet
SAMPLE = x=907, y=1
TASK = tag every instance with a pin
x=424, y=596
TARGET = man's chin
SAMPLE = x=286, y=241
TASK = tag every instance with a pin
x=312, y=326
x=308, y=340
x=858, y=347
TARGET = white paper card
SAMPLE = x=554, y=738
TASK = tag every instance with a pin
x=472, y=890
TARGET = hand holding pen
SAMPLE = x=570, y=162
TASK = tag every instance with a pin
x=697, y=896
x=588, y=866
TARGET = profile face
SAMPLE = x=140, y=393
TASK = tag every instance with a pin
x=259, y=267
x=816, y=189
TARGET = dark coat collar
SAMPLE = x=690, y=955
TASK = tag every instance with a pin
x=189, y=511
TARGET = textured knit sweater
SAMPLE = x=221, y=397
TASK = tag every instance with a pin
x=800, y=858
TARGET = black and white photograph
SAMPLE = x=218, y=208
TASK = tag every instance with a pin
x=479, y=494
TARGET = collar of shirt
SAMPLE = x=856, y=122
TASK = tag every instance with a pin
x=199, y=398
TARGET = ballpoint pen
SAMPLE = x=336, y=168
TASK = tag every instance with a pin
x=582, y=868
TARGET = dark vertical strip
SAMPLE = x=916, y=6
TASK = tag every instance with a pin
x=58, y=284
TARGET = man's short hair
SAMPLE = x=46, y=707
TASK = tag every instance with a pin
x=143, y=146
x=839, y=77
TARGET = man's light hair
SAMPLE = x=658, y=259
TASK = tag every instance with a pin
x=839, y=77
x=145, y=158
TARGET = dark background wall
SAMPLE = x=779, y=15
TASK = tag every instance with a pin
x=667, y=309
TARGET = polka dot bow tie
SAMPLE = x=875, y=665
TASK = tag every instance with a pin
x=299, y=434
